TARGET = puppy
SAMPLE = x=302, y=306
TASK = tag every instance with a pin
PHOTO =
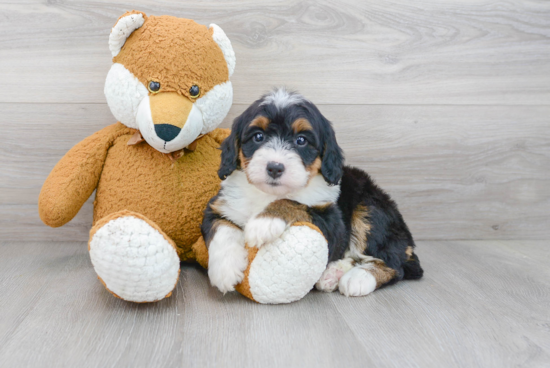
x=282, y=164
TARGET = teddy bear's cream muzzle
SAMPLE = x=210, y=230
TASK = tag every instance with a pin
x=169, y=121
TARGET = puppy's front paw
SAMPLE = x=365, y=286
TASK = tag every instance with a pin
x=357, y=282
x=263, y=230
x=227, y=259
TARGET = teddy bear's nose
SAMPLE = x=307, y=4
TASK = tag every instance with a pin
x=167, y=132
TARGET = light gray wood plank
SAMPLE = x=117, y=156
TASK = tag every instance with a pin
x=338, y=52
x=196, y=327
x=457, y=172
x=479, y=305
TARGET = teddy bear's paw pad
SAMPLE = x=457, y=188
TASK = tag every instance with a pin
x=357, y=282
x=286, y=270
x=134, y=260
x=263, y=230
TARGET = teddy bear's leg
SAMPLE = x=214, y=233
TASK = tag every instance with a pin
x=286, y=269
x=133, y=257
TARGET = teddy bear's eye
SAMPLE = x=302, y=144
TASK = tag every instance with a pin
x=194, y=91
x=154, y=87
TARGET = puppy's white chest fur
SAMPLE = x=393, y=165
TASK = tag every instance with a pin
x=240, y=200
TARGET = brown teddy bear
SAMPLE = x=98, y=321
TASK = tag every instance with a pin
x=154, y=170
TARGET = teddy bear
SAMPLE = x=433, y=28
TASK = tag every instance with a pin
x=155, y=170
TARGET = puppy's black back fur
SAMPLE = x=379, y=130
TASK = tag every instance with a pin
x=389, y=235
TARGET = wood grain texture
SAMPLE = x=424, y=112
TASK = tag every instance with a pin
x=457, y=172
x=335, y=52
x=481, y=304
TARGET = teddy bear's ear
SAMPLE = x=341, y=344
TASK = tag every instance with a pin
x=123, y=28
x=221, y=39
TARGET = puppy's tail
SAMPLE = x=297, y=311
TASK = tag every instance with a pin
x=412, y=268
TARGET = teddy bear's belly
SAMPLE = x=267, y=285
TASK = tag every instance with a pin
x=171, y=194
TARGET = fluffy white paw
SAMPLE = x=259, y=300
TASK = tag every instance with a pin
x=263, y=230
x=227, y=258
x=331, y=276
x=134, y=260
x=357, y=282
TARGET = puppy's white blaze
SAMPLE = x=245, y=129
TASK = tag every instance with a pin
x=281, y=98
x=227, y=258
x=263, y=230
x=124, y=93
x=186, y=136
x=357, y=282
x=295, y=175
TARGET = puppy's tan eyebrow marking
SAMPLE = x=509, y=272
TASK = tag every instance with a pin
x=300, y=125
x=260, y=122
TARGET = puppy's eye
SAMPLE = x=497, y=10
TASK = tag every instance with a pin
x=258, y=137
x=153, y=86
x=301, y=141
x=194, y=91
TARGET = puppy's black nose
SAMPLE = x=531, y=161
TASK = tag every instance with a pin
x=167, y=132
x=275, y=169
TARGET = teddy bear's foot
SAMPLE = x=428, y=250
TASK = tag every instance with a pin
x=286, y=269
x=133, y=257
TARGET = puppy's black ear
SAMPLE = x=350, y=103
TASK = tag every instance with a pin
x=332, y=164
x=230, y=155
x=231, y=145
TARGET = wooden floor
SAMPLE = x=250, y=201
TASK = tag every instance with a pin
x=481, y=304
x=445, y=103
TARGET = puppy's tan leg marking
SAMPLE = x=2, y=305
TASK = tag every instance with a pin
x=287, y=210
x=273, y=221
x=409, y=252
x=360, y=229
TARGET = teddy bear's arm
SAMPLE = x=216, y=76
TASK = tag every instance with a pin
x=75, y=177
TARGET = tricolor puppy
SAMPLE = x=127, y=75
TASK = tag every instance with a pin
x=282, y=164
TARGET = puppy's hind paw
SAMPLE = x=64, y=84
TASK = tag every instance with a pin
x=331, y=276
x=263, y=230
x=357, y=282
